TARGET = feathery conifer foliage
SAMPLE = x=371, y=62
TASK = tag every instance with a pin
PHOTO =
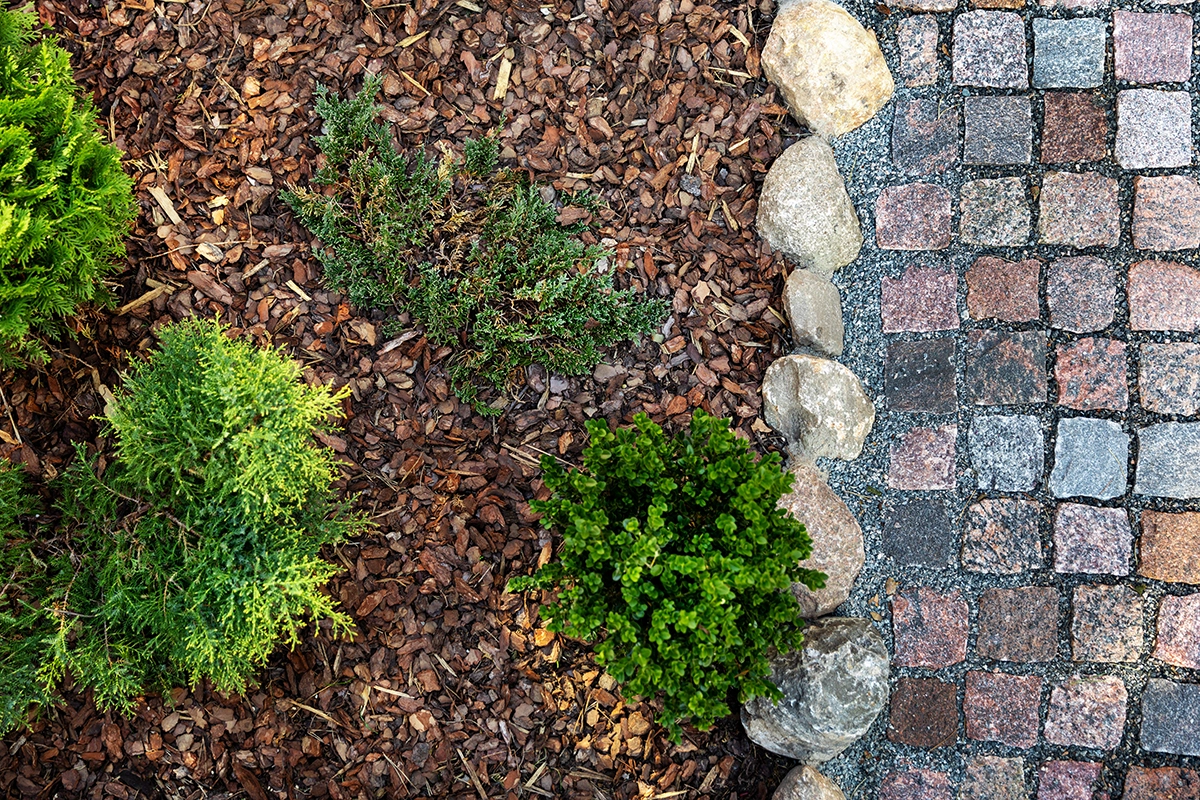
x=65, y=203
x=196, y=551
x=677, y=558
x=471, y=251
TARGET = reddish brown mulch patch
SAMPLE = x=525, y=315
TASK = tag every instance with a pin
x=451, y=688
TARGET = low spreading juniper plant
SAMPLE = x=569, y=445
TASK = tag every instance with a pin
x=677, y=561
x=65, y=203
x=472, y=252
x=195, y=550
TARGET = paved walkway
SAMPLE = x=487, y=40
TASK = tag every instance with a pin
x=1027, y=311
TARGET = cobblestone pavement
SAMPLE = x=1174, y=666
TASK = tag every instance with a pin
x=1034, y=341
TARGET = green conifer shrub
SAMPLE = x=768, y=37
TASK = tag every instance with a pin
x=676, y=557
x=65, y=203
x=195, y=552
x=471, y=251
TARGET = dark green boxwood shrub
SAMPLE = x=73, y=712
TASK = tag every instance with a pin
x=677, y=559
x=65, y=203
x=470, y=251
x=195, y=552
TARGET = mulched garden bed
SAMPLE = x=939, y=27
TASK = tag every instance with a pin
x=451, y=687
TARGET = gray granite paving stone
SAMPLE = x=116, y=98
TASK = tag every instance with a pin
x=924, y=136
x=1006, y=452
x=1169, y=460
x=1068, y=53
x=1154, y=129
x=917, y=533
x=989, y=50
x=1171, y=717
x=1091, y=458
x=998, y=129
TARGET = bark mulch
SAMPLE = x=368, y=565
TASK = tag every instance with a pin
x=450, y=687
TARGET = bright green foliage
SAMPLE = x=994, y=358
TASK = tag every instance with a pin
x=65, y=204
x=676, y=556
x=472, y=252
x=197, y=550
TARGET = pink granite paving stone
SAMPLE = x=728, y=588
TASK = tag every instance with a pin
x=1090, y=374
x=1170, y=546
x=1079, y=209
x=1087, y=711
x=922, y=299
x=1003, y=290
x=923, y=713
x=1068, y=780
x=1075, y=128
x=1154, y=129
x=917, y=39
x=1106, y=624
x=1019, y=624
x=929, y=629
x=1161, y=783
x=1081, y=294
x=1152, y=48
x=1169, y=378
x=1164, y=296
x=1092, y=540
x=994, y=212
x=915, y=216
x=1000, y=536
x=994, y=778
x=1166, y=213
x=1006, y=368
x=989, y=50
x=1178, y=640
x=924, y=459
x=915, y=784
x=999, y=707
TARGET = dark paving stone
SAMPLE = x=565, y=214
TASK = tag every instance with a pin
x=915, y=216
x=1068, y=780
x=1168, y=462
x=922, y=299
x=1170, y=546
x=1164, y=296
x=924, y=713
x=1171, y=718
x=1092, y=540
x=1154, y=129
x=1075, y=128
x=924, y=136
x=929, y=629
x=918, y=533
x=1166, y=212
x=1090, y=374
x=999, y=129
x=1000, y=536
x=917, y=38
x=924, y=459
x=1079, y=209
x=1006, y=368
x=1081, y=294
x=1003, y=290
x=1106, y=624
x=1006, y=452
x=1162, y=783
x=994, y=212
x=1068, y=53
x=1091, y=459
x=1018, y=624
x=919, y=376
x=1087, y=711
x=915, y=784
x=1152, y=48
x=1178, y=641
x=1169, y=378
x=994, y=778
x=989, y=50
x=999, y=707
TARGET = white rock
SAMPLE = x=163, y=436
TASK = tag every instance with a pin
x=804, y=210
x=819, y=405
x=836, y=536
x=805, y=783
x=828, y=67
x=833, y=689
x=815, y=310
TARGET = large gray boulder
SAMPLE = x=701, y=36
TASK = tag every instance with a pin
x=804, y=211
x=836, y=536
x=828, y=67
x=814, y=309
x=818, y=405
x=805, y=783
x=833, y=688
